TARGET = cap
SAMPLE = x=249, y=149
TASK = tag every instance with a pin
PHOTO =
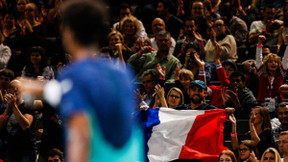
x=199, y=83
x=231, y=63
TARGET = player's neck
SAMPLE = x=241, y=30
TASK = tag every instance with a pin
x=83, y=53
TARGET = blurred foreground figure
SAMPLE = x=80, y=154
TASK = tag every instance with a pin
x=95, y=98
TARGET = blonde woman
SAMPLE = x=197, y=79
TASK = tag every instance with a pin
x=271, y=155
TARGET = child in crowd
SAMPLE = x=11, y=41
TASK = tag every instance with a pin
x=271, y=72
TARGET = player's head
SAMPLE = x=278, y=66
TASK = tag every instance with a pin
x=83, y=22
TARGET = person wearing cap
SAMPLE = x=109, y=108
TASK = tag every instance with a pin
x=197, y=94
x=229, y=66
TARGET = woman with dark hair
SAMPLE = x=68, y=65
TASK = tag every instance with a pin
x=37, y=65
x=246, y=149
x=227, y=156
x=260, y=129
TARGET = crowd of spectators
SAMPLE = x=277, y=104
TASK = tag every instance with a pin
x=186, y=55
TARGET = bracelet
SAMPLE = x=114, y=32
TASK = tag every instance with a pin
x=139, y=53
x=239, y=8
x=212, y=11
x=4, y=117
x=233, y=134
x=259, y=45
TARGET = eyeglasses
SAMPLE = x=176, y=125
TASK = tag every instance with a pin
x=177, y=97
x=218, y=25
x=189, y=26
x=282, y=113
x=243, y=150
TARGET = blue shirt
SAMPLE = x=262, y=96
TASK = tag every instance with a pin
x=105, y=94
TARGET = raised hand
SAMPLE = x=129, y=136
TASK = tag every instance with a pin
x=10, y=99
x=161, y=71
x=139, y=96
x=159, y=91
x=261, y=39
x=197, y=36
x=200, y=62
x=232, y=119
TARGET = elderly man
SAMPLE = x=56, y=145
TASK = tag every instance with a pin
x=158, y=25
x=143, y=61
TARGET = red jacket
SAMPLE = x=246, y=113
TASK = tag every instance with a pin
x=216, y=97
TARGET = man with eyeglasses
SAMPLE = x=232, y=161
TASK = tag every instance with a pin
x=283, y=145
x=143, y=61
x=158, y=25
x=282, y=124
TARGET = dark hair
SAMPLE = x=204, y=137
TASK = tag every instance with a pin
x=124, y=6
x=269, y=5
x=266, y=125
x=7, y=73
x=225, y=9
x=155, y=76
x=86, y=19
x=43, y=63
x=251, y=145
x=168, y=4
x=283, y=104
x=236, y=74
x=54, y=152
x=188, y=19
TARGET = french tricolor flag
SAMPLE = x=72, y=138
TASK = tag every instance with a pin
x=187, y=134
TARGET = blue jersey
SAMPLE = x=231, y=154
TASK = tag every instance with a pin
x=105, y=93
